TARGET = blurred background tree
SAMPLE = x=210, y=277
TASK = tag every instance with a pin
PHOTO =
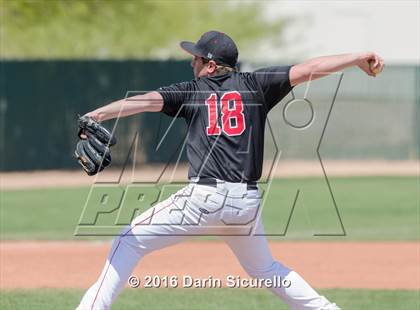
x=107, y=29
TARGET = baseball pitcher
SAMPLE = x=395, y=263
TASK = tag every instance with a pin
x=225, y=111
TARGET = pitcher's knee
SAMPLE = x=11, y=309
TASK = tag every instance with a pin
x=134, y=241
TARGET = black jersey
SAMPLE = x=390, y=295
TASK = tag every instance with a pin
x=226, y=117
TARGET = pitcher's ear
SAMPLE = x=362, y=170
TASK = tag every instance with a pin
x=212, y=66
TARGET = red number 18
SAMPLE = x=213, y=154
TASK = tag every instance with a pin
x=233, y=121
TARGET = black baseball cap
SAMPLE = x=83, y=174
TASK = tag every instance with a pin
x=214, y=45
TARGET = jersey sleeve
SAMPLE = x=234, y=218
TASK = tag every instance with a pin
x=174, y=97
x=274, y=83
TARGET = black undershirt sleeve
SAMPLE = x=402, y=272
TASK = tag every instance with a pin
x=174, y=97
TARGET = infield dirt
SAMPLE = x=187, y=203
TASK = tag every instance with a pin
x=154, y=173
x=373, y=265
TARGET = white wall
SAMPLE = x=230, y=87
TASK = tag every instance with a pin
x=391, y=28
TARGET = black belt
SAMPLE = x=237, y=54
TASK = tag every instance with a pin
x=213, y=182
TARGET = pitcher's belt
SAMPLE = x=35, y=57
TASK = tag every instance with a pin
x=213, y=182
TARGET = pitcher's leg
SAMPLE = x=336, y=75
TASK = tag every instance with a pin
x=255, y=257
x=121, y=260
x=138, y=239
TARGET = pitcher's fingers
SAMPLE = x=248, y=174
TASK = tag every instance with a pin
x=382, y=63
x=375, y=64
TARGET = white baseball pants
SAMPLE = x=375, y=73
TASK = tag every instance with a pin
x=229, y=211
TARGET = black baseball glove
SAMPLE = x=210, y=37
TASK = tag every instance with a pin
x=92, y=151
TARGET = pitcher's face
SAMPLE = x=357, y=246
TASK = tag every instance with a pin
x=198, y=66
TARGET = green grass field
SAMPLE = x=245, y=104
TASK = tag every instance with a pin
x=371, y=208
x=206, y=299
